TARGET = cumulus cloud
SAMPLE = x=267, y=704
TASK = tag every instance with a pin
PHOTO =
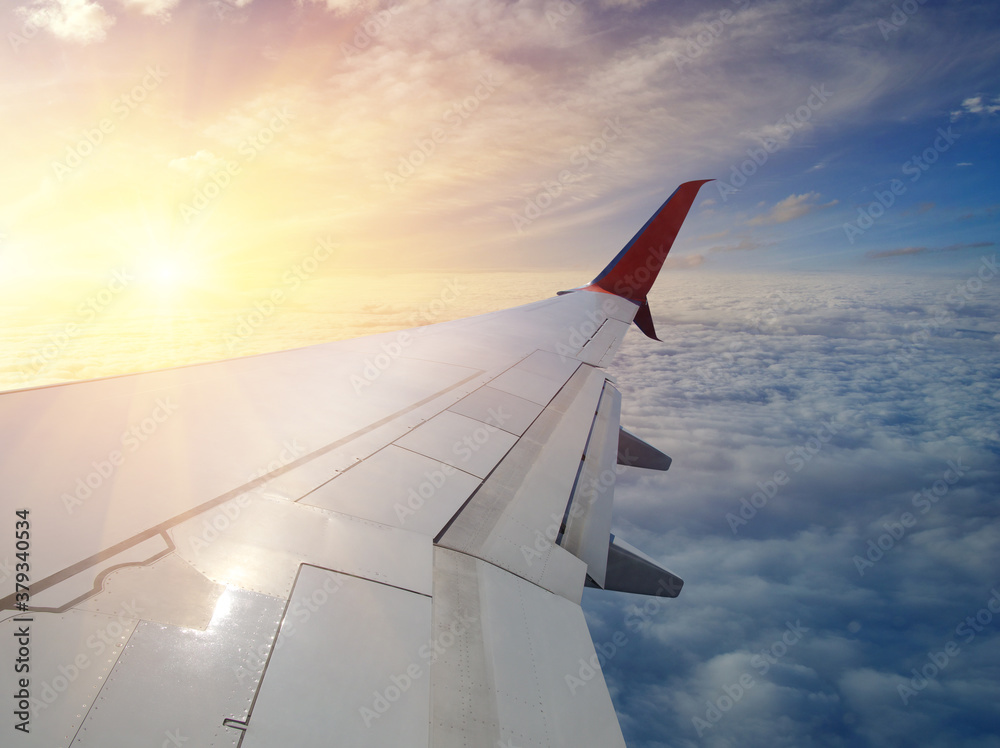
x=859, y=392
x=977, y=105
x=792, y=207
x=75, y=20
x=85, y=21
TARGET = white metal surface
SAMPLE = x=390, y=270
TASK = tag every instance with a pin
x=617, y=308
x=472, y=446
x=514, y=519
x=552, y=366
x=261, y=545
x=463, y=693
x=526, y=384
x=398, y=487
x=88, y=581
x=340, y=677
x=320, y=466
x=204, y=528
x=70, y=658
x=539, y=643
x=168, y=590
x=190, y=435
x=601, y=348
x=588, y=520
x=509, y=677
x=512, y=413
x=173, y=681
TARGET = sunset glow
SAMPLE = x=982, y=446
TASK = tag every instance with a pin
x=186, y=181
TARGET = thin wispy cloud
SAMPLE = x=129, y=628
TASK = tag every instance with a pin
x=907, y=251
x=745, y=244
x=792, y=207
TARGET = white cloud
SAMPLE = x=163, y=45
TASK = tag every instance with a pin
x=792, y=207
x=749, y=368
x=976, y=105
x=345, y=7
x=76, y=20
x=744, y=243
x=685, y=262
x=156, y=8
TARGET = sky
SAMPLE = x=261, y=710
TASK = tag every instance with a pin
x=204, y=144
x=170, y=164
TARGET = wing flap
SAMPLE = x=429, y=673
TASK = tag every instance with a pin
x=522, y=670
x=634, y=452
x=588, y=515
x=350, y=667
x=631, y=570
x=514, y=518
x=68, y=672
x=201, y=678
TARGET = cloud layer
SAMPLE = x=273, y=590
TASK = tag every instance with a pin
x=832, y=504
x=809, y=418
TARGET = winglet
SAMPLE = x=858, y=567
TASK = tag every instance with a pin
x=632, y=272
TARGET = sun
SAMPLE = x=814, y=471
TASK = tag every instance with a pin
x=166, y=273
x=170, y=275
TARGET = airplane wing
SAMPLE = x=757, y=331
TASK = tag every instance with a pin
x=373, y=542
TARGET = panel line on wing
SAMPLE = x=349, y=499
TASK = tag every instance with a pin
x=451, y=408
x=103, y=574
x=440, y=535
x=579, y=470
x=420, y=454
x=284, y=613
x=332, y=659
x=162, y=527
x=97, y=697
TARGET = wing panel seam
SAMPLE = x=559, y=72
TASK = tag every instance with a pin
x=162, y=527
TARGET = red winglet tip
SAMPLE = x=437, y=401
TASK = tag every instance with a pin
x=632, y=273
